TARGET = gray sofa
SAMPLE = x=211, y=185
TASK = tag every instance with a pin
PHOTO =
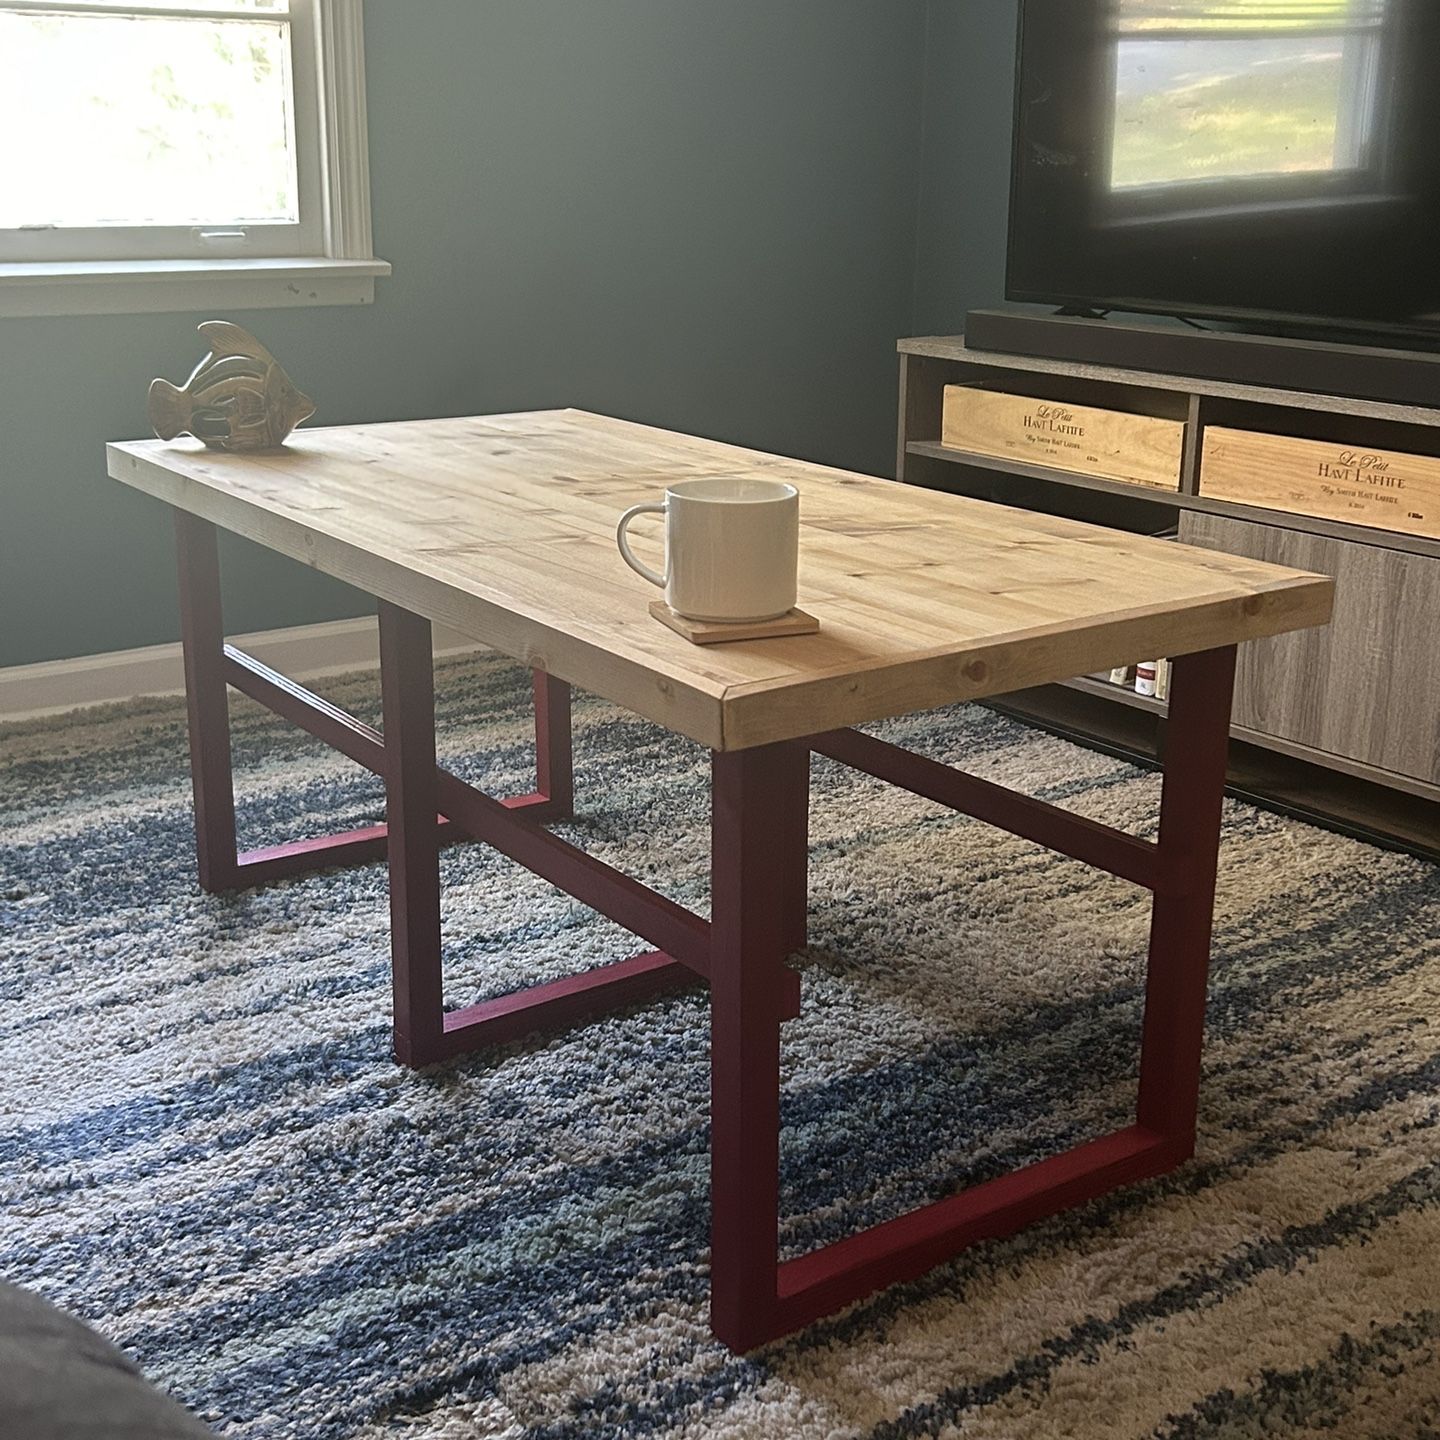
x=59, y=1380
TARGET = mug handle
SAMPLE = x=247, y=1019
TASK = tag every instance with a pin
x=637, y=566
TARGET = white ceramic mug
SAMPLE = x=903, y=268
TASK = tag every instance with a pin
x=732, y=546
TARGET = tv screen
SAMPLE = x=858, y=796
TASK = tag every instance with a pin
x=1272, y=162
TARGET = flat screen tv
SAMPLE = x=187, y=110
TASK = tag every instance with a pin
x=1270, y=162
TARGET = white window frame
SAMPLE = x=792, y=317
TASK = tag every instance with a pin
x=333, y=260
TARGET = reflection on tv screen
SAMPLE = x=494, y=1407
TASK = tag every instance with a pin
x=1222, y=108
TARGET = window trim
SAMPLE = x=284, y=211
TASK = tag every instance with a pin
x=343, y=273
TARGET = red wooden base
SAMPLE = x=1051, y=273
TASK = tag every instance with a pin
x=562, y=1003
x=902, y=1249
x=760, y=801
x=754, y=1299
x=427, y=806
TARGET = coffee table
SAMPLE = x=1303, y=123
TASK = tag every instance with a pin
x=501, y=527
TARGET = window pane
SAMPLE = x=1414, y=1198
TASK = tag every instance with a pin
x=1141, y=15
x=145, y=121
x=1224, y=109
x=243, y=7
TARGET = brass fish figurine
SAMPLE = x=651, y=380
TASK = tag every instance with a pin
x=237, y=398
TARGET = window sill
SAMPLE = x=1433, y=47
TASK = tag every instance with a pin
x=129, y=287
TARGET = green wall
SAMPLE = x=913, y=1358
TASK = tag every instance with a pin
x=698, y=214
x=964, y=161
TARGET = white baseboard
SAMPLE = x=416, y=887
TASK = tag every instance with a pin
x=302, y=651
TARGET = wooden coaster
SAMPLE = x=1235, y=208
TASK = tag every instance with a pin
x=712, y=632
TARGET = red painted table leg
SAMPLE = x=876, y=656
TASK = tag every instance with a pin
x=757, y=860
x=757, y=869
x=1196, y=745
x=202, y=633
x=414, y=790
x=554, y=762
x=796, y=815
x=407, y=689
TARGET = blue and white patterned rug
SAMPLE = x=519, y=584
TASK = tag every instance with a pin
x=206, y=1150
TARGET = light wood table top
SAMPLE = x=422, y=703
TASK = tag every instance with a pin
x=502, y=527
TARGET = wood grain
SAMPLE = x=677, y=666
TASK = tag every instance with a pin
x=1086, y=439
x=501, y=527
x=1368, y=687
x=1360, y=484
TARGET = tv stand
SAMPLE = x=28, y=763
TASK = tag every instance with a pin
x=1347, y=718
x=1326, y=367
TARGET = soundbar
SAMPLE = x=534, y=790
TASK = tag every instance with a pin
x=1402, y=377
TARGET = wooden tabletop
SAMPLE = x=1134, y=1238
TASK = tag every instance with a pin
x=502, y=527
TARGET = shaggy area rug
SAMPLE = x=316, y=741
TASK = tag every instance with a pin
x=206, y=1150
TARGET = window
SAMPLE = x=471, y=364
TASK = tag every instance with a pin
x=176, y=155
x=1210, y=90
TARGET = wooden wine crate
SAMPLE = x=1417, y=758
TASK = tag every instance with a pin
x=1387, y=489
x=1109, y=444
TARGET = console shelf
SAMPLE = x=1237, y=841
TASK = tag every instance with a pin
x=1181, y=500
x=934, y=450
x=1120, y=694
x=1361, y=698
